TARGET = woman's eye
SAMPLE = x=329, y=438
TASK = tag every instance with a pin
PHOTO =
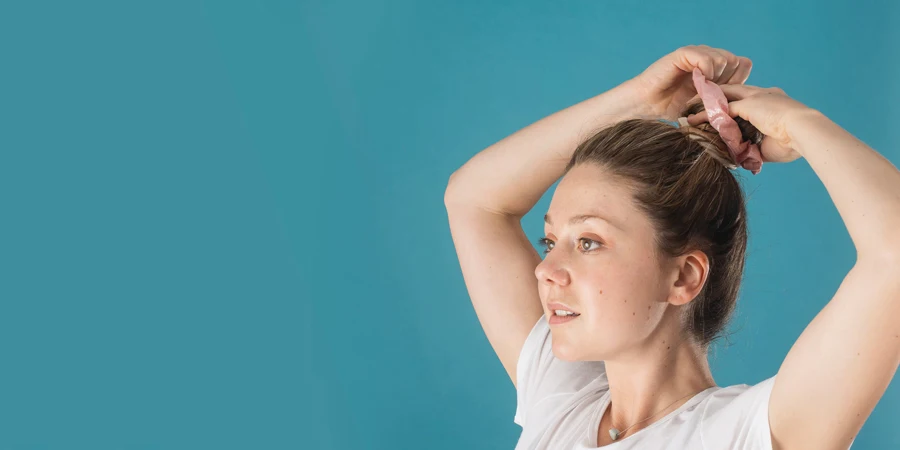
x=589, y=242
x=548, y=244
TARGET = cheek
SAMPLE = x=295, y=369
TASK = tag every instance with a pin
x=622, y=297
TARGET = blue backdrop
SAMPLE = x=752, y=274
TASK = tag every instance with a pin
x=223, y=224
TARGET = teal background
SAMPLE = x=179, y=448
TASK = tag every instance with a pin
x=223, y=224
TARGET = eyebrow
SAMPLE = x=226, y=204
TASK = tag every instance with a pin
x=580, y=219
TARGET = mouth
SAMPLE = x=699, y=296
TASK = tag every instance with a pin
x=560, y=313
x=557, y=319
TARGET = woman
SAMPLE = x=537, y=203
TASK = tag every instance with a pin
x=645, y=244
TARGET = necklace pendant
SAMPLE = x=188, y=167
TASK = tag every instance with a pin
x=614, y=433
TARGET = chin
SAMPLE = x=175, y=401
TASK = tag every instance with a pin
x=565, y=352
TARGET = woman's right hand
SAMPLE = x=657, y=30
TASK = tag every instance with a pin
x=664, y=88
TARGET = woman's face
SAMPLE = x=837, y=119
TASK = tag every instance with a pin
x=605, y=269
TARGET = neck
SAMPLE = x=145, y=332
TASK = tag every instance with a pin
x=646, y=381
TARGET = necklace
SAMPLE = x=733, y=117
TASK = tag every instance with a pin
x=614, y=433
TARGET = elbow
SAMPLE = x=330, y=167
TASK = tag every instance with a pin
x=458, y=191
x=450, y=192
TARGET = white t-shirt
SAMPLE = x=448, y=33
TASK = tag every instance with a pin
x=560, y=403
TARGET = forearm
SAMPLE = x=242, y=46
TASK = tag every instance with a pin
x=511, y=175
x=864, y=186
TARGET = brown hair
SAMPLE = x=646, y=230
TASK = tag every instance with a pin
x=680, y=180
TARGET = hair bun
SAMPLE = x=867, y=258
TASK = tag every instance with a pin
x=709, y=137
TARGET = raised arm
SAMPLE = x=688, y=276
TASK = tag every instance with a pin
x=844, y=360
x=486, y=200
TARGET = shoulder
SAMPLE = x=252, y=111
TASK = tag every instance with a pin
x=741, y=393
x=737, y=416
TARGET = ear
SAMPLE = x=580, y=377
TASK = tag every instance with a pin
x=689, y=274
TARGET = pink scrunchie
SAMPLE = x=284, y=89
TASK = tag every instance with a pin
x=746, y=154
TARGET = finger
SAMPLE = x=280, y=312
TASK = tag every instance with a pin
x=722, y=61
x=702, y=116
x=718, y=62
x=733, y=64
x=742, y=72
x=739, y=91
x=730, y=68
x=735, y=108
x=697, y=119
x=733, y=93
x=700, y=58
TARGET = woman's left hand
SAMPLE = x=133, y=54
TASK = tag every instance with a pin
x=770, y=110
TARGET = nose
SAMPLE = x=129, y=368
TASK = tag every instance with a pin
x=547, y=272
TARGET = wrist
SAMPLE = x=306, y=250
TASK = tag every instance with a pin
x=632, y=97
x=798, y=124
x=614, y=105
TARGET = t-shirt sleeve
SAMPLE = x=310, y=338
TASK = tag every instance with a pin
x=759, y=433
x=542, y=377
x=739, y=418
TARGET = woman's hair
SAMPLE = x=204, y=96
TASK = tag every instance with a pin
x=680, y=181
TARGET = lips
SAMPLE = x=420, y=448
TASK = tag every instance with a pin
x=559, y=320
x=557, y=306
